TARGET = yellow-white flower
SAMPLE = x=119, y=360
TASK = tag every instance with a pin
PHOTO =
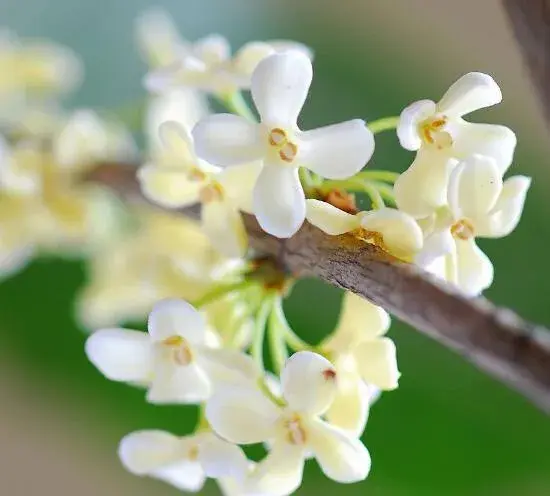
x=184, y=462
x=36, y=67
x=441, y=136
x=295, y=431
x=280, y=85
x=480, y=204
x=365, y=361
x=391, y=229
x=86, y=138
x=173, y=360
x=209, y=65
x=182, y=179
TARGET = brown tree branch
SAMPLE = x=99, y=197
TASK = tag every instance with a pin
x=530, y=20
x=495, y=339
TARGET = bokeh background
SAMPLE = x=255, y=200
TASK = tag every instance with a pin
x=448, y=429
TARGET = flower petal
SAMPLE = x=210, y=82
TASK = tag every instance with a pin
x=173, y=317
x=177, y=139
x=121, y=355
x=497, y=142
x=279, y=201
x=162, y=456
x=223, y=225
x=474, y=269
x=359, y=319
x=168, y=187
x=330, y=219
x=377, y=363
x=280, y=85
x=422, y=188
x=142, y=452
x=338, y=151
x=250, y=55
x=409, y=120
x=506, y=213
x=174, y=383
x=342, y=458
x=309, y=382
x=242, y=416
x=436, y=245
x=212, y=49
x=227, y=139
x=238, y=183
x=474, y=187
x=280, y=472
x=401, y=234
x=473, y=91
x=222, y=459
x=225, y=366
x=350, y=409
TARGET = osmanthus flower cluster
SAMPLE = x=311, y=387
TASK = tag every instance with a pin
x=214, y=306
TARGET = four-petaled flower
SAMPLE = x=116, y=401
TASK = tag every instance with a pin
x=174, y=360
x=294, y=431
x=184, y=462
x=442, y=136
x=209, y=65
x=388, y=228
x=479, y=204
x=183, y=179
x=280, y=85
x=365, y=361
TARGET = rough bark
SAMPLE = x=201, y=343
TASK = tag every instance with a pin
x=530, y=20
x=495, y=339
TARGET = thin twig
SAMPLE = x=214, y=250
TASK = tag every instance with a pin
x=495, y=339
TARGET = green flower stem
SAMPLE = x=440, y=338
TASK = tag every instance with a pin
x=385, y=190
x=384, y=124
x=277, y=344
x=220, y=292
x=375, y=196
x=236, y=104
x=292, y=339
x=257, y=347
x=378, y=175
x=202, y=423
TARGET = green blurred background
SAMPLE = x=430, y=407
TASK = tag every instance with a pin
x=448, y=429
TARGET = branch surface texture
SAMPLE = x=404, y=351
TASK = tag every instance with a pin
x=496, y=340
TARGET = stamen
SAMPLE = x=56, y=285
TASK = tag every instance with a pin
x=277, y=137
x=329, y=374
x=463, y=229
x=295, y=432
x=181, y=353
x=212, y=192
x=288, y=152
x=195, y=174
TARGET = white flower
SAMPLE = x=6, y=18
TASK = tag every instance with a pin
x=86, y=138
x=441, y=135
x=208, y=65
x=173, y=360
x=182, y=179
x=280, y=85
x=364, y=359
x=395, y=231
x=480, y=204
x=293, y=432
x=184, y=462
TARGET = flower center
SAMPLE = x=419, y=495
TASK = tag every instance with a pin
x=463, y=229
x=432, y=132
x=211, y=192
x=180, y=350
x=193, y=453
x=286, y=149
x=295, y=432
x=196, y=175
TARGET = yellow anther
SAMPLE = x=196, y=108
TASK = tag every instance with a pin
x=277, y=137
x=181, y=353
x=211, y=192
x=463, y=229
x=288, y=152
x=195, y=174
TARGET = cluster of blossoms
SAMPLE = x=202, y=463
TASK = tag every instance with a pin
x=311, y=401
